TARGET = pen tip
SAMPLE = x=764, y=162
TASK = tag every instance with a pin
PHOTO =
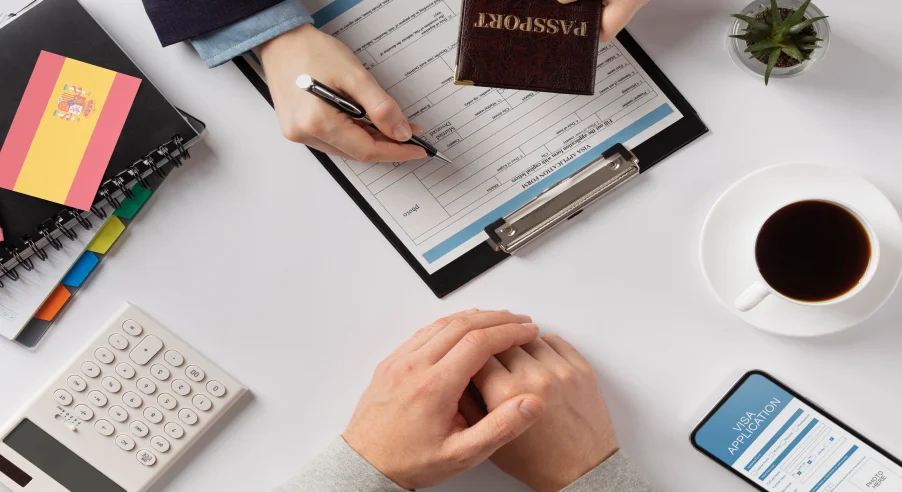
x=440, y=156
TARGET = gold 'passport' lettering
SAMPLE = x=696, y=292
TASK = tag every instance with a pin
x=531, y=24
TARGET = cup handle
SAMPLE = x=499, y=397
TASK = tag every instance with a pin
x=752, y=296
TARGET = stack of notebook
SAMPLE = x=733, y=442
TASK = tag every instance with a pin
x=51, y=248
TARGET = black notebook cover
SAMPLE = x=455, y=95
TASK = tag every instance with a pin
x=65, y=28
x=481, y=258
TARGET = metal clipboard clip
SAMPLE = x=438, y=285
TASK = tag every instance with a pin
x=564, y=200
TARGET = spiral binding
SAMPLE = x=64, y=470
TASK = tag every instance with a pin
x=111, y=191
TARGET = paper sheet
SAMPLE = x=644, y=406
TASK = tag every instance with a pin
x=20, y=299
x=64, y=131
x=507, y=145
x=130, y=206
x=81, y=270
x=107, y=236
x=54, y=303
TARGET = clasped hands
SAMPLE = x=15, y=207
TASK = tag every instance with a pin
x=306, y=120
x=543, y=420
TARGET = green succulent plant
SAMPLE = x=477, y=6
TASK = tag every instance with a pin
x=769, y=35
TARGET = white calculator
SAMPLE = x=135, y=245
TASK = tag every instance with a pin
x=118, y=415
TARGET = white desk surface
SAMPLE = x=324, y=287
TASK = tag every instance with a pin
x=304, y=322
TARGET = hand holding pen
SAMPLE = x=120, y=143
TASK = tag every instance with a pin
x=305, y=120
x=357, y=111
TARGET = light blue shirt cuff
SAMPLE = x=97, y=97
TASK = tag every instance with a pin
x=223, y=44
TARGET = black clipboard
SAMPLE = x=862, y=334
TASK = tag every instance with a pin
x=481, y=258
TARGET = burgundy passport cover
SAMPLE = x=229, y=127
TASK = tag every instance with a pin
x=535, y=45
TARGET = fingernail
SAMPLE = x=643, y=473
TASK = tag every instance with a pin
x=471, y=311
x=531, y=325
x=525, y=317
x=530, y=408
x=401, y=131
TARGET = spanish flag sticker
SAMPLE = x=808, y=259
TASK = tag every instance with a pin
x=64, y=132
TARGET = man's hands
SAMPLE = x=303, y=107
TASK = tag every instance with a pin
x=408, y=424
x=306, y=119
x=420, y=425
x=616, y=15
x=575, y=433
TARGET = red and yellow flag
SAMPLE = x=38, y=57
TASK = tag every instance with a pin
x=62, y=137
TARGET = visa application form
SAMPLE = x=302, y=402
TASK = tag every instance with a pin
x=507, y=145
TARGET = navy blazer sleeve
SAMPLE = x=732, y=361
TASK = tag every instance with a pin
x=179, y=20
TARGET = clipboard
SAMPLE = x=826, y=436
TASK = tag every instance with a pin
x=630, y=164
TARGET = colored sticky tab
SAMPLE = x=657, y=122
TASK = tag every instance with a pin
x=81, y=269
x=64, y=131
x=53, y=303
x=107, y=236
x=130, y=206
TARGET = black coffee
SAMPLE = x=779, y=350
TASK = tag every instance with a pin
x=813, y=251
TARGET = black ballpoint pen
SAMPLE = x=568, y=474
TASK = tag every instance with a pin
x=357, y=111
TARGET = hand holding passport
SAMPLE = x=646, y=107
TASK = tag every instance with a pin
x=615, y=16
x=534, y=45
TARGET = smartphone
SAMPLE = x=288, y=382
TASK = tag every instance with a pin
x=776, y=440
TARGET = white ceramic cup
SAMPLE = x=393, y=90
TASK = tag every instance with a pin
x=760, y=289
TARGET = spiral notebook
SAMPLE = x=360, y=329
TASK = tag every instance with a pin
x=43, y=240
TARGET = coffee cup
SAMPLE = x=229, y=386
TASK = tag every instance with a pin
x=813, y=252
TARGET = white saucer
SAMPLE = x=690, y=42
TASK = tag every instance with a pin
x=728, y=242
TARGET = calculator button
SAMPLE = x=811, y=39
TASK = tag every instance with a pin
x=174, y=430
x=104, y=355
x=125, y=370
x=146, y=458
x=216, y=388
x=195, y=373
x=146, y=386
x=154, y=415
x=174, y=358
x=180, y=387
x=160, y=444
x=84, y=413
x=90, y=369
x=149, y=347
x=62, y=397
x=139, y=428
x=77, y=383
x=188, y=416
x=125, y=442
x=202, y=403
x=166, y=401
x=118, y=413
x=160, y=372
x=104, y=427
x=111, y=384
x=97, y=399
x=132, y=399
x=132, y=327
x=118, y=341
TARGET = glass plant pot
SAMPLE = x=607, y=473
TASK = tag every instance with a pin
x=755, y=67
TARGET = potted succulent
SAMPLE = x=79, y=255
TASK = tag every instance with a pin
x=782, y=39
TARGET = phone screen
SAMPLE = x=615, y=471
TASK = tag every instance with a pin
x=778, y=441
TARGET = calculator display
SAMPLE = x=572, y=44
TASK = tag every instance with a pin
x=15, y=473
x=56, y=460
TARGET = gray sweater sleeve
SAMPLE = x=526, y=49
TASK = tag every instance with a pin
x=616, y=474
x=340, y=469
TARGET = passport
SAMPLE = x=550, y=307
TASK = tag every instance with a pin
x=533, y=45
